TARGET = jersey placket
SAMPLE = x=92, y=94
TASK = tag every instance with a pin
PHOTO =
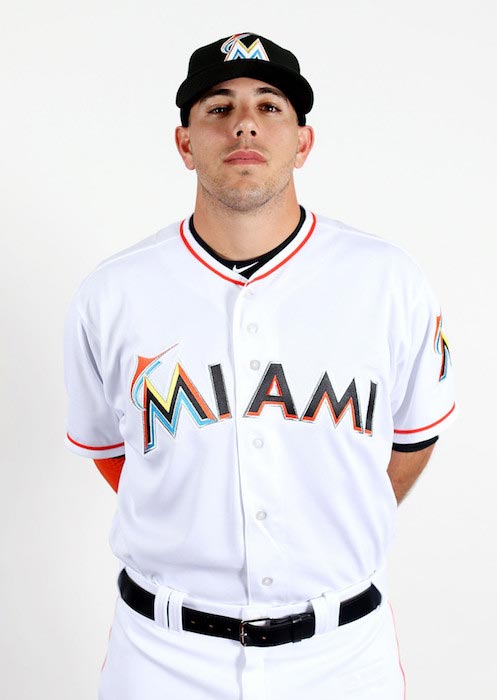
x=252, y=343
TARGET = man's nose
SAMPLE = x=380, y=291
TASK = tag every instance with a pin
x=241, y=132
x=245, y=125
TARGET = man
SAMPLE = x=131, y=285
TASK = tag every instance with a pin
x=261, y=386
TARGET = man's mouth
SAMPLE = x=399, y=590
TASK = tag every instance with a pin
x=245, y=158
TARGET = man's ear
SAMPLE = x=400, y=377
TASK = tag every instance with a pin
x=305, y=144
x=182, y=138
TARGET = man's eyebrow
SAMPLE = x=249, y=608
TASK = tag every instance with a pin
x=216, y=91
x=271, y=91
x=226, y=92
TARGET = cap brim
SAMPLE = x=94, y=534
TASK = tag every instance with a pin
x=291, y=83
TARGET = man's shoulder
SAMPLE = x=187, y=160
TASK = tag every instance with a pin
x=355, y=236
x=143, y=249
x=131, y=262
x=369, y=246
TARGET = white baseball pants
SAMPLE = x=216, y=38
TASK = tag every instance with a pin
x=147, y=661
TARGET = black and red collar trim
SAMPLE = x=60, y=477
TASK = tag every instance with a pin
x=218, y=268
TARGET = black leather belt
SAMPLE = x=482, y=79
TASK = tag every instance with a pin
x=273, y=632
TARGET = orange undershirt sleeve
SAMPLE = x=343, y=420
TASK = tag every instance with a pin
x=111, y=469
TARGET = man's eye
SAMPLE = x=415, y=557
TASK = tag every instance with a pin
x=219, y=110
x=269, y=107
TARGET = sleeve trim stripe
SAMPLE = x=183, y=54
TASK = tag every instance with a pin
x=426, y=427
x=90, y=447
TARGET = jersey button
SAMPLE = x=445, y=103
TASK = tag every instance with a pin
x=252, y=328
x=267, y=581
x=258, y=443
x=261, y=515
x=255, y=364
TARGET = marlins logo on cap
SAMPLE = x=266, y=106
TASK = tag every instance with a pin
x=235, y=48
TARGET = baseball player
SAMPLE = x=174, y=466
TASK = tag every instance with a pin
x=261, y=386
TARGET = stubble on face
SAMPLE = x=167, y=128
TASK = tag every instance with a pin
x=249, y=193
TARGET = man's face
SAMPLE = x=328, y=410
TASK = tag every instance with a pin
x=244, y=141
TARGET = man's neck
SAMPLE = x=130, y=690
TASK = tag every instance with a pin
x=243, y=235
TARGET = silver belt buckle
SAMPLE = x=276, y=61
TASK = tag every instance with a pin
x=243, y=634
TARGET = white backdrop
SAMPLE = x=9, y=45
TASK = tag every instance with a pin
x=405, y=118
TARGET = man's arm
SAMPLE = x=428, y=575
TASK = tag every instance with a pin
x=405, y=467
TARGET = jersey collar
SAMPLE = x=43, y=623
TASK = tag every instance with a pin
x=210, y=262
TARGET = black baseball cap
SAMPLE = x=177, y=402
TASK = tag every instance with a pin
x=244, y=56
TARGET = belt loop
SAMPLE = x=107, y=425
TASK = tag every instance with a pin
x=175, y=609
x=168, y=608
x=161, y=605
x=327, y=611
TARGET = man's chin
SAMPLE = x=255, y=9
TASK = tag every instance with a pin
x=246, y=197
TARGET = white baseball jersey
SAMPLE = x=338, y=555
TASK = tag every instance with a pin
x=256, y=416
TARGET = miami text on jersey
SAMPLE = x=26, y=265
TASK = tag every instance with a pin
x=272, y=390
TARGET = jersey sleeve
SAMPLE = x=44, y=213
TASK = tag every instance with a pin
x=423, y=401
x=92, y=424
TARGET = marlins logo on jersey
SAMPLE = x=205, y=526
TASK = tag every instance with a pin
x=235, y=48
x=441, y=348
